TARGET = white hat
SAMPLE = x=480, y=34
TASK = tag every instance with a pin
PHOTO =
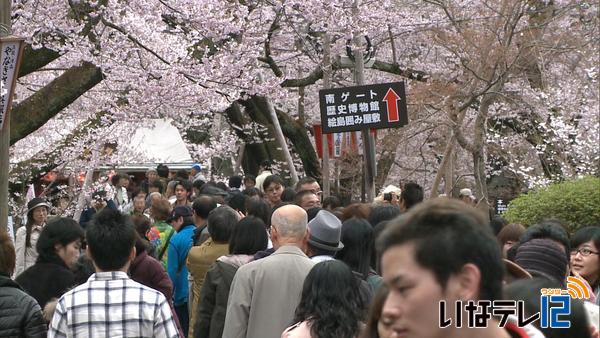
x=465, y=192
x=392, y=188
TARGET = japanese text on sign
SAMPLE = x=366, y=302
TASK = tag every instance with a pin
x=355, y=108
x=8, y=64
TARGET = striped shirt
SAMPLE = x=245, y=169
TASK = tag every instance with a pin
x=112, y=305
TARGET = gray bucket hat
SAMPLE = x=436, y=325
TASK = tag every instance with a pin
x=325, y=231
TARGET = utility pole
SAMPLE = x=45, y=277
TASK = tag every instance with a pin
x=326, y=85
x=367, y=137
x=5, y=30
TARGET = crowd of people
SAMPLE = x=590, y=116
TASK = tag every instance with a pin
x=179, y=256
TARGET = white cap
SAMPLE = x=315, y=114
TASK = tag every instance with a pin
x=466, y=192
x=392, y=188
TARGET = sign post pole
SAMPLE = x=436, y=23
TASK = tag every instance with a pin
x=5, y=29
x=326, y=85
x=367, y=137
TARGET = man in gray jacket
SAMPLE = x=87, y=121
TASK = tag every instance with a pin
x=265, y=293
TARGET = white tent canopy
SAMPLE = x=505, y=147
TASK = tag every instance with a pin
x=154, y=141
x=160, y=144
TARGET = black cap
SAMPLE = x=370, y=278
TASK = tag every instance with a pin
x=180, y=211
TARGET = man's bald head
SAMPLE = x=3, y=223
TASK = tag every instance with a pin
x=290, y=221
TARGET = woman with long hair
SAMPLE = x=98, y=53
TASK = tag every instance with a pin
x=330, y=306
x=357, y=236
x=27, y=235
x=59, y=247
x=247, y=238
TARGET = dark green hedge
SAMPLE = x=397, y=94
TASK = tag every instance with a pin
x=577, y=203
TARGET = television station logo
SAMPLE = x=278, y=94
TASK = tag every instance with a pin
x=550, y=313
x=555, y=307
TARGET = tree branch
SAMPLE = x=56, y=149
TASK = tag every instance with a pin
x=317, y=74
x=394, y=68
x=34, y=59
x=313, y=77
x=133, y=39
x=268, y=59
x=37, y=109
x=393, y=45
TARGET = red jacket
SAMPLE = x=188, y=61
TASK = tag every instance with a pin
x=150, y=272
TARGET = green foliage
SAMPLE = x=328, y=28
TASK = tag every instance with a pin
x=577, y=203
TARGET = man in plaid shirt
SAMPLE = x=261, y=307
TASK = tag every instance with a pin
x=110, y=304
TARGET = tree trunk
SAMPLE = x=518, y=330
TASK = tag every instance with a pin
x=483, y=203
x=529, y=61
x=254, y=136
x=36, y=110
x=384, y=164
x=34, y=59
x=441, y=173
x=296, y=133
x=260, y=141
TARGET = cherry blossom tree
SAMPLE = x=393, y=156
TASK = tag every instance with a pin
x=494, y=87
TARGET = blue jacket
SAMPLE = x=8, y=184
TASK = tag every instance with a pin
x=179, y=246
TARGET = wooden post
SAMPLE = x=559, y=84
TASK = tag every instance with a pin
x=238, y=162
x=301, y=114
x=5, y=30
x=282, y=143
x=215, y=132
x=449, y=174
x=367, y=137
x=326, y=85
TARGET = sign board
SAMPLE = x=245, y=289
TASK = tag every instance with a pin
x=375, y=106
x=501, y=207
x=10, y=50
x=337, y=144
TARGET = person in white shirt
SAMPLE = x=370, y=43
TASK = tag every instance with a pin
x=110, y=303
x=27, y=235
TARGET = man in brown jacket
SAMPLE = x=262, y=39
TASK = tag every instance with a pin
x=220, y=223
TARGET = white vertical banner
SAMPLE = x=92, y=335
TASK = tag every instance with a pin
x=10, y=229
x=359, y=142
x=9, y=56
x=30, y=193
x=337, y=144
